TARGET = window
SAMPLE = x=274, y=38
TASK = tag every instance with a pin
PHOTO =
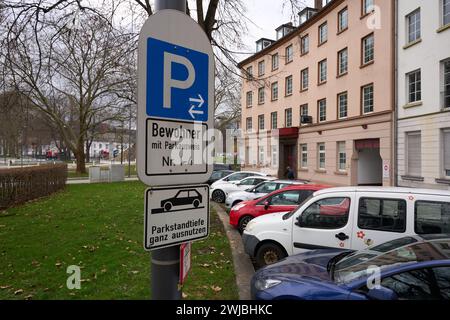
x=382, y=214
x=367, y=7
x=274, y=156
x=323, y=33
x=304, y=82
x=413, y=26
x=289, y=53
x=274, y=120
x=323, y=71
x=261, y=68
x=100, y=145
x=304, y=44
x=414, y=83
x=261, y=96
x=274, y=91
x=446, y=83
x=431, y=217
x=248, y=123
x=288, y=85
x=304, y=109
x=322, y=108
x=287, y=198
x=368, y=54
x=266, y=187
x=261, y=155
x=413, y=154
x=321, y=156
x=341, y=156
x=342, y=105
x=446, y=152
x=342, y=62
x=442, y=275
x=249, y=99
x=261, y=122
x=304, y=156
x=343, y=20
x=329, y=213
x=445, y=12
x=367, y=98
x=250, y=73
x=275, y=61
x=288, y=118
x=412, y=285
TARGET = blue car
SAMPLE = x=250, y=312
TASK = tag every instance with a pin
x=410, y=268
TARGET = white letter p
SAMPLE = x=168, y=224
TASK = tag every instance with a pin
x=170, y=83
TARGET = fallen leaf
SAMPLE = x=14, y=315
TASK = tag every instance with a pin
x=5, y=287
x=216, y=288
x=20, y=291
x=58, y=264
x=134, y=272
x=28, y=297
x=184, y=295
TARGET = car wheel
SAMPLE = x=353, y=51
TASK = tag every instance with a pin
x=269, y=253
x=196, y=203
x=243, y=223
x=218, y=196
x=167, y=206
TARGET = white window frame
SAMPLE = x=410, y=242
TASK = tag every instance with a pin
x=289, y=53
x=445, y=4
x=321, y=152
x=248, y=121
x=261, y=155
x=289, y=85
x=340, y=95
x=288, y=118
x=261, y=122
x=343, y=61
x=249, y=99
x=364, y=100
x=304, y=156
x=275, y=61
x=341, y=156
x=304, y=43
x=343, y=18
x=413, y=26
x=304, y=81
x=261, y=68
x=323, y=71
x=368, y=49
x=274, y=91
x=261, y=95
x=446, y=168
x=322, y=107
x=323, y=33
x=368, y=6
x=414, y=88
x=274, y=120
x=445, y=93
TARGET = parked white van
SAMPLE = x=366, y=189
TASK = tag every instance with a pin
x=348, y=218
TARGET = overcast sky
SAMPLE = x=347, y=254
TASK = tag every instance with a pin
x=267, y=15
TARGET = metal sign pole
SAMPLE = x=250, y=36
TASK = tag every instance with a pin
x=165, y=263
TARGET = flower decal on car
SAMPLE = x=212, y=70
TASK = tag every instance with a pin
x=361, y=234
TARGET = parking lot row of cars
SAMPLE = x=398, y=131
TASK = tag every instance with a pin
x=318, y=242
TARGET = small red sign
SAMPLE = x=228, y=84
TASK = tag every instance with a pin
x=185, y=261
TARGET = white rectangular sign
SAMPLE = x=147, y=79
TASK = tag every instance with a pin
x=175, y=147
x=174, y=215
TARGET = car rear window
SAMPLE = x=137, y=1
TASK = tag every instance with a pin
x=432, y=217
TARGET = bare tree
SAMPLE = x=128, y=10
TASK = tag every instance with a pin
x=75, y=76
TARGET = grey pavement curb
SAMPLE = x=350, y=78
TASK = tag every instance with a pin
x=243, y=267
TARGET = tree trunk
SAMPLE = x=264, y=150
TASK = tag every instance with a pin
x=81, y=158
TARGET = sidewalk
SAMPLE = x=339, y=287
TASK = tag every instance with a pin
x=86, y=180
x=243, y=267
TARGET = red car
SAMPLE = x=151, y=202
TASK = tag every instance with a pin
x=286, y=199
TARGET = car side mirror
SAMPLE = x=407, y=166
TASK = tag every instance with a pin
x=299, y=222
x=266, y=205
x=382, y=293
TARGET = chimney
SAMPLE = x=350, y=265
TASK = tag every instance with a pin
x=318, y=4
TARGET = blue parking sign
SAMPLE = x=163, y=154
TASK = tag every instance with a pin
x=177, y=82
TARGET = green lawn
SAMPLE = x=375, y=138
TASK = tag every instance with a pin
x=98, y=227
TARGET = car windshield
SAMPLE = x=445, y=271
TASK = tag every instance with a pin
x=291, y=213
x=397, y=252
x=265, y=187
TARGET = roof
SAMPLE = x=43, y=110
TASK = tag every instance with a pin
x=305, y=187
x=387, y=190
x=296, y=31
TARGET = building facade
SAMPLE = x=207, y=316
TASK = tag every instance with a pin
x=424, y=93
x=320, y=98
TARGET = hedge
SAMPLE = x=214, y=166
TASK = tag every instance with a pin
x=20, y=185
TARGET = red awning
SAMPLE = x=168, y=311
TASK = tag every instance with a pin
x=286, y=132
x=367, y=144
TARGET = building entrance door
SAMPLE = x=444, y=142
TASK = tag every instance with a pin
x=370, y=164
x=289, y=159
